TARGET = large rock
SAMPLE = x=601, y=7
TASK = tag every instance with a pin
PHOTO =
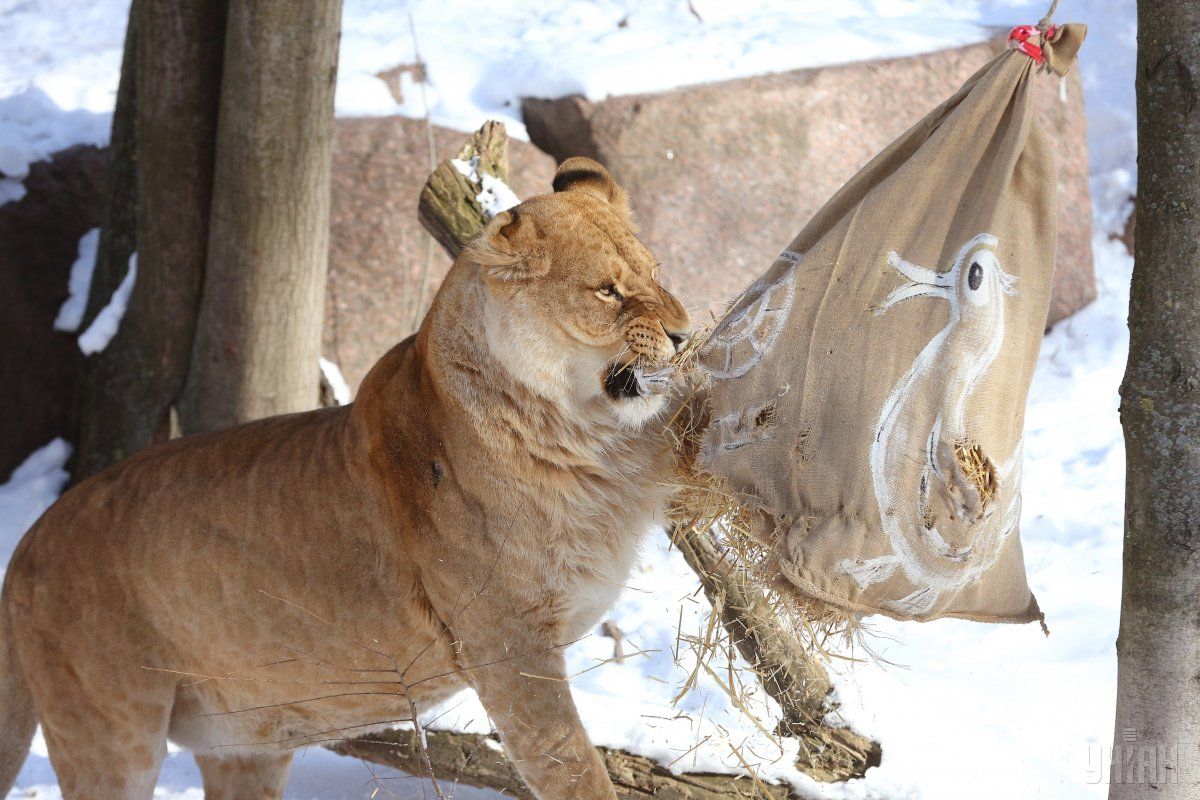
x=39, y=236
x=377, y=247
x=722, y=176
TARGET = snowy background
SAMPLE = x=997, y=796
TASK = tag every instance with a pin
x=963, y=710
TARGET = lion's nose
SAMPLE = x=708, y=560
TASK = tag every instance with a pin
x=680, y=339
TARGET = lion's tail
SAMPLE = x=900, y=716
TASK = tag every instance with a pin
x=18, y=719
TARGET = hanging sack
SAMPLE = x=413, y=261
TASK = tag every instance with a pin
x=867, y=393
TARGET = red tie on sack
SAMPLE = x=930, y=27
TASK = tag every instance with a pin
x=1019, y=39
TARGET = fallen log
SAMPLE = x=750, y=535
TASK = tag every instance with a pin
x=476, y=760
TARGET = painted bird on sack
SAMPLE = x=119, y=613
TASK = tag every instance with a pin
x=942, y=520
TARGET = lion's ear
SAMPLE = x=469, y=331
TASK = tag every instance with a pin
x=581, y=174
x=509, y=248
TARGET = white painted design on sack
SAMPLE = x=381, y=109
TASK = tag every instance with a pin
x=759, y=323
x=745, y=426
x=947, y=370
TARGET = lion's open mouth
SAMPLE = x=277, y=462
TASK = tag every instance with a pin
x=621, y=381
x=634, y=380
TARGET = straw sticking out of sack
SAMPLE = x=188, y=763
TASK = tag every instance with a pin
x=978, y=469
x=703, y=504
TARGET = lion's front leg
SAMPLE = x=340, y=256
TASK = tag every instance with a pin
x=529, y=701
x=508, y=649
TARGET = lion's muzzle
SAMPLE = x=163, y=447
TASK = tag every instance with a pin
x=647, y=370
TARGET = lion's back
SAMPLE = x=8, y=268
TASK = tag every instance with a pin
x=180, y=523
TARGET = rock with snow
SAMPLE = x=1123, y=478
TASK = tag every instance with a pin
x=32, y=127
x=39, y=241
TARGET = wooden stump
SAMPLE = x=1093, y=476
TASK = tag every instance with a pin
x=447, y=207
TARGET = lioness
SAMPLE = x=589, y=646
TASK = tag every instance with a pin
x=316, y=576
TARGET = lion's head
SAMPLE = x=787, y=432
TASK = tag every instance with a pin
x=574, y=308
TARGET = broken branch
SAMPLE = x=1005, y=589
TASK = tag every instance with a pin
x=477, y=760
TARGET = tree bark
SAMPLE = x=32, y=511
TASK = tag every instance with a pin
x=1157, y=733
x=160, y=193
x=259, y=331
x=118, y=232
x=103, y=382
x=476, y=760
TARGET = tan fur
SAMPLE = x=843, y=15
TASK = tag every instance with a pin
x=315, y=576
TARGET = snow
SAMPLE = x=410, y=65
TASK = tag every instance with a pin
x=32, y=127
x=337, y=381
x=104, y=326
x=484, y=56
x=494, y=195
x=962, y=709
x=317, y=774
x=29, y=491
x=70, y=315
x=58, y=80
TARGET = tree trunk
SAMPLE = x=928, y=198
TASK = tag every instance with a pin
x=259, y=332
x=1157, y=731
x=160, y=193
x=105, y=380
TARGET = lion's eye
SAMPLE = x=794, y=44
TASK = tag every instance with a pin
x=609, y=291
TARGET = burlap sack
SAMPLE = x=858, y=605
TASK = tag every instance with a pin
x=868, y=392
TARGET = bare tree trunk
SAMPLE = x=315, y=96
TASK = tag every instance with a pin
x=1157, y=738
x=118, y=232
x=179, y=91
x=104, y=381
x=161, y=189
x=259, y=332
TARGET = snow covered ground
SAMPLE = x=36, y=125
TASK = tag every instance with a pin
x=963, y=710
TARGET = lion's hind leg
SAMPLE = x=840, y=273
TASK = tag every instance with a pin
x=104, y=745
x=244, y=777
